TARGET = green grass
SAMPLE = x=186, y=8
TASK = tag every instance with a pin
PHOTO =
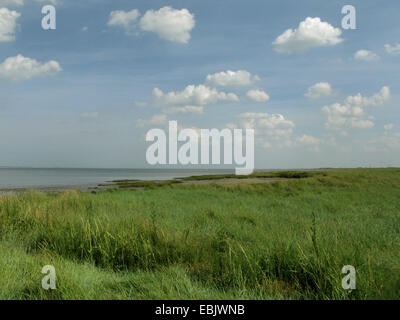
x=270, y=174
x=145, y=184
x=281, y=240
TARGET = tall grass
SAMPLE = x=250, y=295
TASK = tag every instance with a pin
x=254, y=241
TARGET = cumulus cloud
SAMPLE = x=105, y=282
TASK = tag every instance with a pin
x=319, y=90
x=270, y=129
x=194, y=98
x=191, y=96
x=376, y=100
x=20, y=68
x=124, y=19
x=8, y=24
x=312, y=32
x=351, y=114
x=90, y=115
x=232, y=79
x=257, y=95
x=393, y=50
x=366, y=55
x=168, y=23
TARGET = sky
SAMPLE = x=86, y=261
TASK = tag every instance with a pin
x=86, y=93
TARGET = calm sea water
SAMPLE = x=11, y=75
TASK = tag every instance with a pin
x=28, y=177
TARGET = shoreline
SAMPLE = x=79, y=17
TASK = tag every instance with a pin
x=142, y=184
x=256, y=177
x=48, y=189
x=116, y=186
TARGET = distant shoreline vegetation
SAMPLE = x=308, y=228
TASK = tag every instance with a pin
x=126, y=183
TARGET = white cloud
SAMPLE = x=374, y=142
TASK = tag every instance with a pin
x=85, y=28
x=231, y=79
x=185, y=110
x=319, y=90
x=270, y=129
x=312, y=32
x=90, y=115
x=388, y=126
x=376, y=100
x=257, y=95
x=168, y=23
x=393, y=50
x=351, y=113
x=124, y=19
x=8, y=24
x=366, y=55
x=21, y=68
x=191, y=96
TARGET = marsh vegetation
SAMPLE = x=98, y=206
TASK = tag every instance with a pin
x=286, y=239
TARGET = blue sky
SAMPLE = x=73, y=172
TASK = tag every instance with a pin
x=95, y=106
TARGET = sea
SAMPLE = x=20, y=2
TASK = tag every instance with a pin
x=60, y=177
